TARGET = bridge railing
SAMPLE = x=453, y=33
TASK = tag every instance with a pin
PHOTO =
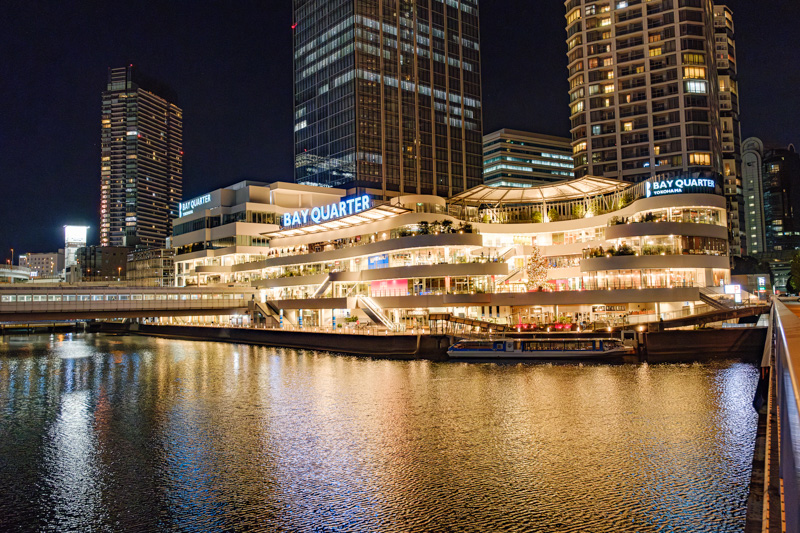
x=786, y=349
x=17, y=272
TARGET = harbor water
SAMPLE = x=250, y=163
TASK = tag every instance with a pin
x=125, y=433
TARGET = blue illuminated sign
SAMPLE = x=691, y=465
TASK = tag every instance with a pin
x=346, y=207
x=677, y=186
x=378, y=261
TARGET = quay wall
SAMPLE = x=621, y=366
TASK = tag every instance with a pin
x=412, y=346
x=705, y=344
x=670, y=346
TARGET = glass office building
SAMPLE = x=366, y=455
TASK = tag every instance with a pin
x=388, y=96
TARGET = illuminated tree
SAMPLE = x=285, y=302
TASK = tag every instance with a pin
x=536, y=269
x=793, y=283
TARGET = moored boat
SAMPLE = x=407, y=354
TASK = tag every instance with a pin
x=540, y=348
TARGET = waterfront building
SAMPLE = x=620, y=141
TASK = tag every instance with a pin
x=226, y=227
x=152, y=267
x=44, y=265
x=387, y=96
x=514, y=158
x=725, y=48
x=141, y=177
x=772, y=194
x=610, y=249
x=101, y=263
x=643, y=89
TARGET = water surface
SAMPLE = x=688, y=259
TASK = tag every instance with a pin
x=105, y=433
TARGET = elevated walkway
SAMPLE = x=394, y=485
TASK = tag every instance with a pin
x=718, y=315
x=28, y=303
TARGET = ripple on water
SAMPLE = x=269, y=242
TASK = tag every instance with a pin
x=119, y=433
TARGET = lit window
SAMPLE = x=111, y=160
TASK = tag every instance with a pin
x=693, y=59
x=696, y=73
x=627, y=126
x=655, y=52
x=696, y=87
x=572, y=17
x=700, y=158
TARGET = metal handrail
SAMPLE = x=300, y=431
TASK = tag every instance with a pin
x=787, y=380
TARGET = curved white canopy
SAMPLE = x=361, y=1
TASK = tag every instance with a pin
x=567, y=190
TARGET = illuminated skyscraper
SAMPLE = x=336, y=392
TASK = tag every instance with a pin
x=141, y=160
x=725, y=46
x=644, y=95
x=388, y=96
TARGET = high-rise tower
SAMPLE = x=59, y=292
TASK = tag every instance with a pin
x=141, y=160
x=387, y=95
x=725, y=46
x=643, y=87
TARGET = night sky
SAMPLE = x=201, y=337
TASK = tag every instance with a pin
x=231, y=65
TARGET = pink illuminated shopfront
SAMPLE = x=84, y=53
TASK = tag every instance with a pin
x=389, y=287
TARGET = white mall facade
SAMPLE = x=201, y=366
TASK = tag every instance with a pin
x=613, y=251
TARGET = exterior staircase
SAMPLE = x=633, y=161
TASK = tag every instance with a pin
x=322, y=287
x=712, y=297
x=374, y=312
x=268, y=310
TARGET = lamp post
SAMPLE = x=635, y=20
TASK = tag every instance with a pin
x=12, y=257
x=119, y=273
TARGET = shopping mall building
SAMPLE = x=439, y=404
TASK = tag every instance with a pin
x=609, y=250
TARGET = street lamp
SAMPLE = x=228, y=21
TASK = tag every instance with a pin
x=12, y=257
x=119, y=273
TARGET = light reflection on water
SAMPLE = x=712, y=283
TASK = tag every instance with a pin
x=128, y=433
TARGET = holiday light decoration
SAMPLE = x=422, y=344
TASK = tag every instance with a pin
x=536, y=269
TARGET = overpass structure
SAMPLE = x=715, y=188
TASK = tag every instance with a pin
x=29, y=303
x=14, y=273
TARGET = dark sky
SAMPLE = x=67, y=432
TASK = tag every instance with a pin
x=230, y=63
